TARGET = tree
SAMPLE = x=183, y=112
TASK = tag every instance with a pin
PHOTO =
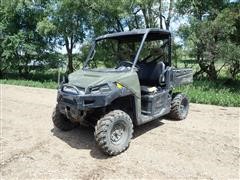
x=20, y=42
x=66, y=22
x=124, y=15
x=211, y=25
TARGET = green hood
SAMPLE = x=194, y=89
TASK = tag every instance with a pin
x=86, y=78
x=90, y=78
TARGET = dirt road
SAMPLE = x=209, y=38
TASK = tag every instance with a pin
x=205, y=145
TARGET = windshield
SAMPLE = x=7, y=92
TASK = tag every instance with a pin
x=112, y=54
x=120, y=54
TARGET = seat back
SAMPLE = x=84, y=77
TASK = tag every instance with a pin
x=151, y=74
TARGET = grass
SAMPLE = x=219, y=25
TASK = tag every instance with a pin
x=50, y=75
x=46, y=79
x=30, y=83
x=216, y=93
x=221, y=92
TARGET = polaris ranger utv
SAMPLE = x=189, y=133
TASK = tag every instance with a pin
x=127, y=80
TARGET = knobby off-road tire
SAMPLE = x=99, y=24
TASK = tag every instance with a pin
x=113, y=132
x=179, y=107
x=61, y=121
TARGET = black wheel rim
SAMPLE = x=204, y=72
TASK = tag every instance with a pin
x=118, y=133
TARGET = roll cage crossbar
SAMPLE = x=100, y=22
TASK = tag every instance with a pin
x=137, y=35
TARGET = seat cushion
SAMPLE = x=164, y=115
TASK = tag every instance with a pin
x=147, y=89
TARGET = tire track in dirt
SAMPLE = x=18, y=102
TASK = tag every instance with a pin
x=23, y=153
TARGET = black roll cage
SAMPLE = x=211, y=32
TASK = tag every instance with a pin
x=135, y=35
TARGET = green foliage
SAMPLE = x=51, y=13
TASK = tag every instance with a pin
x=66, y=21
x=198, y=9
x=209, y=35
x=222, y=92
x=31, y=30
x=20, y=41
x=123, y=14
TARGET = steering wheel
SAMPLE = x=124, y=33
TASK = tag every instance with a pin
x=126, y=64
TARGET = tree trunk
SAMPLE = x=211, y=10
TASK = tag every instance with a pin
x=1, y=71
x=145, y=17
x=169, y=14
x=160, y=14
x=136, y=21
x=70, y=63
x=212, y=73
x=207, y=68
x=150, y=15
x=69, y=48
x=119, y=25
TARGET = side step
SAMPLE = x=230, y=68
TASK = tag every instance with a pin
x=147, y=118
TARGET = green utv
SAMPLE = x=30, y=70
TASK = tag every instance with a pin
x=135, y=88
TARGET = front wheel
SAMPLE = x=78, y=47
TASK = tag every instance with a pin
x=179, y=107
x=61, y=121
x=113, y=132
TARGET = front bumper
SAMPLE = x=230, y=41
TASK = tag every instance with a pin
x=74, y=105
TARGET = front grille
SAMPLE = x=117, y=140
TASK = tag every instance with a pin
x=69, y=101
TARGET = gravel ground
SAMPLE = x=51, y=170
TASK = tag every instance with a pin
x=205, y=145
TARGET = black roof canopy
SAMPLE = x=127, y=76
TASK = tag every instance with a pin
x=137, y=35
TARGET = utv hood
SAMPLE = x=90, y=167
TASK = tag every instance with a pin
x=87, y=78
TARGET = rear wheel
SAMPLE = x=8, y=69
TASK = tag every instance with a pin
x=179, y=107
x=61, y=121
x=113, y=132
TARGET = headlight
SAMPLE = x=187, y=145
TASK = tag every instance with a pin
x=69, y=89
x=100, y=89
